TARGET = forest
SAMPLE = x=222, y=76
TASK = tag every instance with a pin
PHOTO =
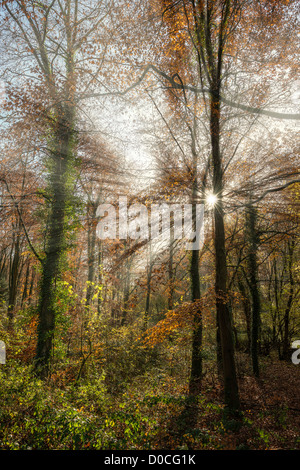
x=149, y=240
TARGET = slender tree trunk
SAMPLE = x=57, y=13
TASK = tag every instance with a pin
x=30, y=293
x=126, y=293
x=13, y=280
x=100, y=278
x=276, y=322
x=222, y=308
x=170, y=267
x=3, y=276
x=254, y=287
x=25, y=289
x=247, y=310
x=196, y=363
x=148, y=289
x=286, y=336
x=92, y=222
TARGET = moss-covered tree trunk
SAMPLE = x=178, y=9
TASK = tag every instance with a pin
x=63, y=137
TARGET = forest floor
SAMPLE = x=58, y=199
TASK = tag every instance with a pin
x=151, y=412
x=270, y=414
x=273, y=403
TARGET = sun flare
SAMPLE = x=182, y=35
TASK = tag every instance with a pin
x=211, y=200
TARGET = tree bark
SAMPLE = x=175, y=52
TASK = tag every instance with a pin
x=286, y=336
x=63, y=139
x=196, y=363
x=92, y=222
x=247, y=310
x=126, y=295
x=254, y=287
x=223, y=312
x=13, y=279
x=148, y=289
x=170, y=265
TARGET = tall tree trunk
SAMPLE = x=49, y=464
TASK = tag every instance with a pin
x=25, y=289
x=100, y=277
x=247, y=310
x=276, y=322
x=286, y=336
x=148, y=288
x=170, y=266
x=30, y=293
x=13, y=280
x=3, y=277
x=222, y=307
x=92, y=222
x=196, y=365
x=254, y=286
x=126, y=295
x=63, y=141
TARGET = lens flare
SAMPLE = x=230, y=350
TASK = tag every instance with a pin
x=211, y=200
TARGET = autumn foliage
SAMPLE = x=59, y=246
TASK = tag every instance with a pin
x=123, y=343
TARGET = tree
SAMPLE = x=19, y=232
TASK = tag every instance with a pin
x=253, y=285
x=218, y=33
x=60, y=37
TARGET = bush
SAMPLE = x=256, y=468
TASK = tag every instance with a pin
x=127, y=357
